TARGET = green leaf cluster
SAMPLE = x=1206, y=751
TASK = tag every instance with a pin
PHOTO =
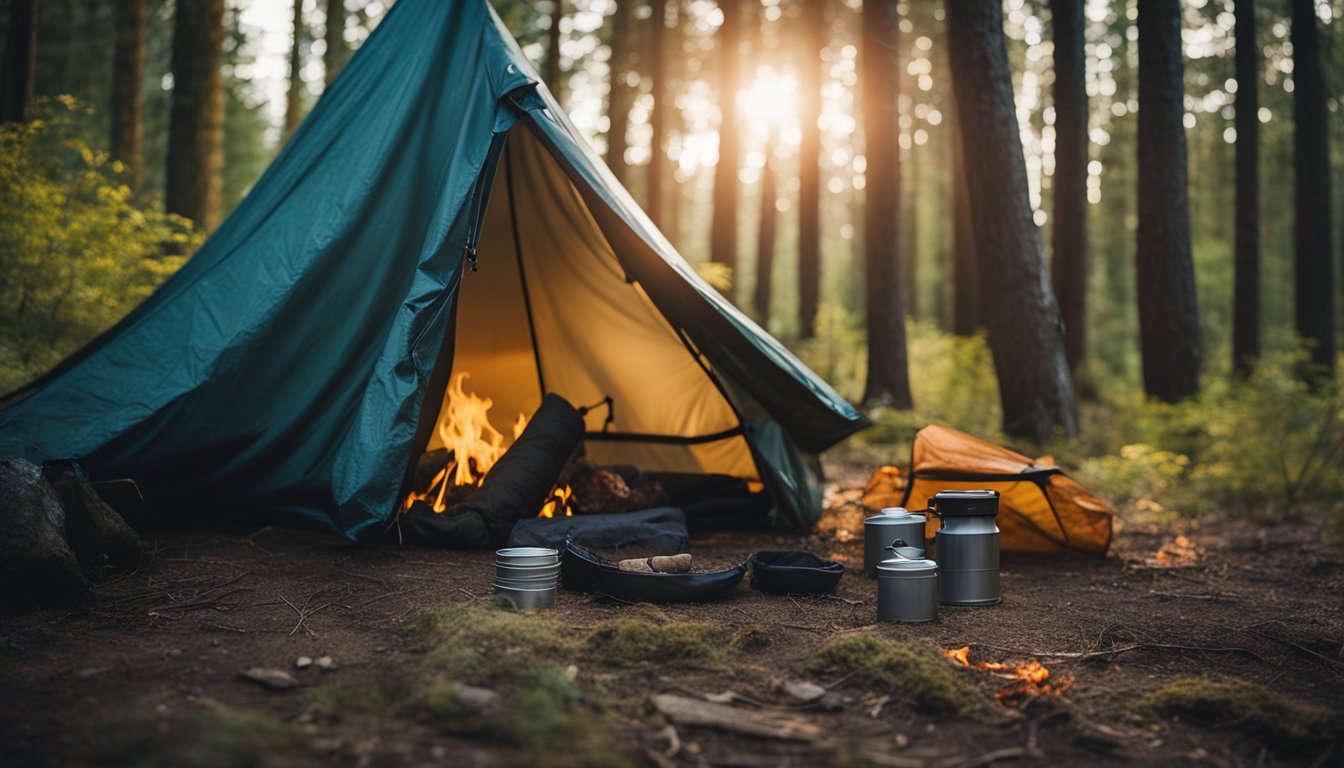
x=77, y=249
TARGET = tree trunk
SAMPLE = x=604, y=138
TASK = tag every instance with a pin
x=336, y=54
x=294, y=94
x=1314, y=263
x=723, y=227
x=551, y=73
x=658, y=115
x=20, y=61
x=965, y=295
x=128, y=95
x=1168, y=318
x=888, y=381
x=1025, y=336
x=1246, y=287
x=619, y=94
x=814, y=35
x=909, y=212
x=765, y=241
x=192, y=184
x=1069, y=251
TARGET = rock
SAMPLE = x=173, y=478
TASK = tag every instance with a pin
x=477, y=699
x=303, y=662
x=274, y=679
x=638, y=565
x=99, y=537
x=325, y=663
x=803, y=691
x=36, y=564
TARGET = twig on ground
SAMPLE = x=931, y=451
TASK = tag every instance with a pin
x=1187, y=596
x=1084, y=656
x=1333, y=665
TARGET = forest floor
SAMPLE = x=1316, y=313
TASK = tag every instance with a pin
x=424, y=671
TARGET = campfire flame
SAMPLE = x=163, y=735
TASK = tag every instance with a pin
x=1026, y=681
x=474, y=446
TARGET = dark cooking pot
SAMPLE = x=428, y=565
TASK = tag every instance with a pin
x=794, y=573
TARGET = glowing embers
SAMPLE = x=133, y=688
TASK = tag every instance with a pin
x=558, y=503
x=1025, y=681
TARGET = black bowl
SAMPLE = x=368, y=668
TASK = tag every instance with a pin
x=794, y=573
x=586, y=571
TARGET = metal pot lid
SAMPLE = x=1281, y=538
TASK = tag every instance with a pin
x=527, y=552
x=893, y=516
x=903, y=565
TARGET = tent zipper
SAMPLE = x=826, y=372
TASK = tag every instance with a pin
x=480, y=197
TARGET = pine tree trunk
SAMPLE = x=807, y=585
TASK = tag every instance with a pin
x=128, y=95
x=1069, y=250
x=1168, y=317
x=619, y=91
x=1026, y=339
x=766, y=233
x=1246, y=286
x=814, y=35
x=294, y=94
x=965, y=295
x=658, y=114
x=550, y=66
x=1314, y=263
x=192, y=183
x=909, y=213
x=723, y=226
x=888, y=380
x=336, y=54
x=20, y=61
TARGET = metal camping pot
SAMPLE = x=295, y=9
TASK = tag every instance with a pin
x=907, y=590
x=967, y=545
x=883, y=529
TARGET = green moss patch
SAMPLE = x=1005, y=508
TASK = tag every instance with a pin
x=910, y=671
x=1247, y=707
x=480, y=639
x=652, y=638
x=542, y=711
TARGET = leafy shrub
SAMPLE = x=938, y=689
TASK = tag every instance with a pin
x=77, y=250
x=1269, y=443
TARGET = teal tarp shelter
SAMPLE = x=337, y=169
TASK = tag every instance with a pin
x=286, y=366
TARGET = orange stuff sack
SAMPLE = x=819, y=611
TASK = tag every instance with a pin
x=1040, y=509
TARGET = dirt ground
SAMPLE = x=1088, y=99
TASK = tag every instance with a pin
x=147, y=671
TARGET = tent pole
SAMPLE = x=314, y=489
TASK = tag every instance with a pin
x=522, y=272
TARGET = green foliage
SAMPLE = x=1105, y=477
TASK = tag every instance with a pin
x=952, y=382
x=76, y=249
x=1265, y=444
x=907, y=670
x=1248, y=708
x=655, y=639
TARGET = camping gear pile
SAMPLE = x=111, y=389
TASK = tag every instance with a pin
x=1042, y=511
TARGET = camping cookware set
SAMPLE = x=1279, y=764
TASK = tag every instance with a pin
x=965, y=570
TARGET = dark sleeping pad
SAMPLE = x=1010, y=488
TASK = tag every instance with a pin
x=659, y=531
